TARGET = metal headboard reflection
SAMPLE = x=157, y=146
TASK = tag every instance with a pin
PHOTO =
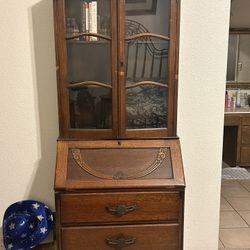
x=144, y=61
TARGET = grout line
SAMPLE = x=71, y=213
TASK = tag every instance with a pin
x=244, y=186
x=237, y=213
x=221, y=243
x=229, y=204
x=235, y=209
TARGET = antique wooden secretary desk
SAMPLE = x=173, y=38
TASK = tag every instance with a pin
x=119, y=179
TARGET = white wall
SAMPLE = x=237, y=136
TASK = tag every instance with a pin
x=28, y=108
x=28, y=103
x=203, y=51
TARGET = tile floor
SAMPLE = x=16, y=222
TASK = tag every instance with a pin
x=235, y=215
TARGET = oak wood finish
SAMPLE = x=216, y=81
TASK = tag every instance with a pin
x=163, y=237
x=100, y=207
x=236, y=145
x=117, y=40
x=118, y=188
x=64, y=182
x=151, y=210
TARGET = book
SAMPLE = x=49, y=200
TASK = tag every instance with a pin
x=86, y=16
x=90, y=20
x=83, y=17
x=94, y=19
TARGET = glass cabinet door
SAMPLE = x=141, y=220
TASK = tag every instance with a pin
x=117, y=66
x=146, y=75
x=89, y=38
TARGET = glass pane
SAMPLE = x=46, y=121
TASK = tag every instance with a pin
x=89, y=61
x=146, y=107
x=90, y=108
x=148, y=16
x=87, y=16
x=146, y=59
x=232, y=57
x=244, y=58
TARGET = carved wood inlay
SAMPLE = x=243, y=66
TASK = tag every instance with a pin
x=162, y=154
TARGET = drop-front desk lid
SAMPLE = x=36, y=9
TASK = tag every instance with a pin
x=119, y=164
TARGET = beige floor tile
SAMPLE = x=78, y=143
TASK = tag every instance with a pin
x=245, y=215
x=235, y=238
x=237, y=191
x=224, y=205
x=239, y=203
x=220, y=245
x=246, y=184
x=231, y=219
x=234, y=248
x=231, y=183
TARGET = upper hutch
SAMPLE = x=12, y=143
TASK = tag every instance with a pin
x=119, y=180
x=121, y=81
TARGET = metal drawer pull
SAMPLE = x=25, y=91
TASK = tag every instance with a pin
x=120, y=242
x=121, y=209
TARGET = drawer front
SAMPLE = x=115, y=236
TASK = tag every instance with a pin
x=146, y=237
x=119, y=207
x=245, y=136
x=246, y=119
x=245, y=155
x=232, y=120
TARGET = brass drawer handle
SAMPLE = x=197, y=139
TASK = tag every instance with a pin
x=121, y=209
x=120, y=241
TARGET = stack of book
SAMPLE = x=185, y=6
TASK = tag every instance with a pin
x=89, y=18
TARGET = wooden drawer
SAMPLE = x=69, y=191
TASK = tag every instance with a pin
x=245, y=155
x=245, y=136
x=120, y=207
x=145, y=237
x=246, y=119
x=232, y=120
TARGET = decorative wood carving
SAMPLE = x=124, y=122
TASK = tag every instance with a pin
x=120, y=175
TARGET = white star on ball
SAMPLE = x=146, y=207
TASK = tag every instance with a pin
x=36, y=205
x=43, y=230
x=10, y=246
x=40, y=217
x=12, y=226
x=23, y=235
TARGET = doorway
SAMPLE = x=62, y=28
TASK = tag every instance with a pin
x=235, y=187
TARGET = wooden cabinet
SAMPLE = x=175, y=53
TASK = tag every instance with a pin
x=131, y=196
x=119, y=180
x=236, y=148
x=121, y=80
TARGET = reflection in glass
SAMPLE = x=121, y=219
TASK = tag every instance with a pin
x=146, y=59
x=146, y=107
x=78, y=11
x=153, y=15
x=244, y=58
x=232, y=57
x=90, y=108
x=86, y=61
